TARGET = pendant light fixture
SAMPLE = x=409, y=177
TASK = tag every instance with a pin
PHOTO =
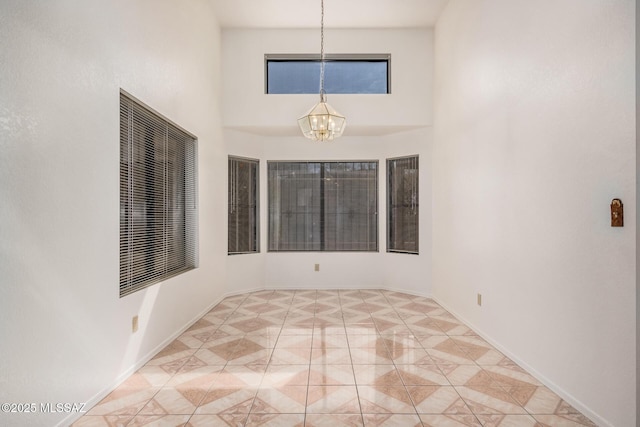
x=322, y=122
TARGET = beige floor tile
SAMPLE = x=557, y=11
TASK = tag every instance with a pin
x=468, y=375
x=201, y=376
x=331, y=375
x=438, y=400
x=570, y=420
x=291, y=356
x=489, y=400
x=391, y=420
x=332, y=400
x=330, y=341
x=331, y=358
x=150, y=376
x=385, y=399
x=409, y=356
x=285, y=375
x=540, y=400
x=421, y=375
x=333, y=420
x=366, y=341
x=170, y=400
x=276, y=420
x=508, y=421
x=159, y=421
x=124, y=401
x=401, y=340
x=511, y=376
x=103, y=421
x=377, y=375
x=371, y=356
x=294, y=341
x=240, y=376
x=228, y=400
x=449, y=420
x=226, y=420
x=290, y=399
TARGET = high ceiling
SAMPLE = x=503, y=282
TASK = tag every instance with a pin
x=338, y=13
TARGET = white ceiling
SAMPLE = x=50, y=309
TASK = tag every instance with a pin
x=338, y=13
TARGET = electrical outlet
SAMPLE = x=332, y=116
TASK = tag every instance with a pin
x=317, y=267
x=134, y=324
x=480, y=299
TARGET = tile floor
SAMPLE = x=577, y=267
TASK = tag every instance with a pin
x=331, y=358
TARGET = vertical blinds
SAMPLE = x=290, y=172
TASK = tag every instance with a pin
x=402, y=215
x=157, y=198
x=323, y=206
x=243, y=206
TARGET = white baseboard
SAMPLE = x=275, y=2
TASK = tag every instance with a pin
x=585, y=410
x=95, y=399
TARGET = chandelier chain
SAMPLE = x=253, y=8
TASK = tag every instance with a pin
x=322, y=94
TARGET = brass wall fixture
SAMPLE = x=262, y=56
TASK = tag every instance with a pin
x=617, y=214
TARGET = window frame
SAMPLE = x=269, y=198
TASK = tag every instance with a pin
x=334, y=57
x=143, y=189
x=390, y=217
x=376, y=224
x=256, y=207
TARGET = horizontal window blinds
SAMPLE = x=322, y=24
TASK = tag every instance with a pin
x=402, y=197
x=157, y=198
x=243, y=206
x=323, y=206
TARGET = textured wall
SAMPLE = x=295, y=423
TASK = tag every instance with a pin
x=534, y=135
x=66, y=334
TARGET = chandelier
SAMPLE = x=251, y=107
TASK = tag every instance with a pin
x=322, y=122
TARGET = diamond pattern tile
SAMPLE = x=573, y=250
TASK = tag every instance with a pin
x=322, y=358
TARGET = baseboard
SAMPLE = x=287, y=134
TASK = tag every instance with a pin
x=90, y=403
x=585, y=410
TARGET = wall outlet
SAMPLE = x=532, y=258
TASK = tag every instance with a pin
x=317, y=267
x=134, y=324
x=480, y=299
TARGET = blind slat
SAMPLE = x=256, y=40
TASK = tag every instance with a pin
x=158, y=218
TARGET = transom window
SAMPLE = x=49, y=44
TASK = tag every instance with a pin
x=345, y=74
x=323, y=206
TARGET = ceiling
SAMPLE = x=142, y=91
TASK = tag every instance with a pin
x=338, y=13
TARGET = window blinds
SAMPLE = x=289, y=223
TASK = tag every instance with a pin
x=323, y=206
x=402, y=197
x=157, y=198
x=243, y=206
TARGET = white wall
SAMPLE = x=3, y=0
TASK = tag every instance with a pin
x=534, y=135
x=66, y=334
x=248, y=107
x=379, y=127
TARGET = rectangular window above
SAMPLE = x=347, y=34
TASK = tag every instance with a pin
x=243, y=206
x=158, y=216
x=323, y=206
x=402, y=205
x=344, y=74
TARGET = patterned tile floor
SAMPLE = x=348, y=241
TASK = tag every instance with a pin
x=331, y=358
